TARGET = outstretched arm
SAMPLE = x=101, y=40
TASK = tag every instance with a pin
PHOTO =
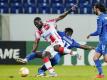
x=99, y=29
x=86, y=47
x=66, y=13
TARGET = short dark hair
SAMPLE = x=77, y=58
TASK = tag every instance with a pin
x=37, y=18
x=100, y=6
x=68, y=30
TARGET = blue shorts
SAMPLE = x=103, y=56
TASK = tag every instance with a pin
x=56, y=59
x=101, y=48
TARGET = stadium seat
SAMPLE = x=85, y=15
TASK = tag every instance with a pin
x=70, y=1
x=4, y=1
x=43, y=8
x=100, y=1
x=4, y=8
x=57, y=8
x=43, y=1
x=16, y=8
x=56, y=1
x=85, y=9
x=29, y=1
x=30, y=8
x=15, y=1
x=83, y=1
x=106, y=4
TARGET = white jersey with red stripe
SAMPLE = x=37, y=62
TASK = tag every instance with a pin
x=49, y=33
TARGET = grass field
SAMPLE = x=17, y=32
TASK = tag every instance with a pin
x=64, y=73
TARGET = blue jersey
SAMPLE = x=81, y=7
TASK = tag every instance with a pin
x=101, y=28
x=68, y=41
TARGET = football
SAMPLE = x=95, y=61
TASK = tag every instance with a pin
x=24, y=72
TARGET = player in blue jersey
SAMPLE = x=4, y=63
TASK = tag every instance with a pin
x=68, y=42
x=101, y=31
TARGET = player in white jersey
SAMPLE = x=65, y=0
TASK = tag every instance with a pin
x=48, y=32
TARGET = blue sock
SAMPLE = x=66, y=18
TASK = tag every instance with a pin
x=98, y=66
x=43, y=68
x=31, y=56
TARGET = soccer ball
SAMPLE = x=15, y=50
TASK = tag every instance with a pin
x=24, y=72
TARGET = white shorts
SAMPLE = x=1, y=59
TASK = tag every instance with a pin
x=51, y=48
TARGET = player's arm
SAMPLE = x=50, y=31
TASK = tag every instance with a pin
x=35, y=45
x=66, y=13
x=99, y=28
x=77, y=45
x=36, y=42
x=86, y=47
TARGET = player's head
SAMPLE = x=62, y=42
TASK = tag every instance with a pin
x=68, y=31
x=98, y=8
x=38, y=22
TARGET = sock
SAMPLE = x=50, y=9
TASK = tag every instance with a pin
x=31, y=56
x=54, y=61
x=64, y=50
x=48, y=65
x=98, y=66
x=43, y=68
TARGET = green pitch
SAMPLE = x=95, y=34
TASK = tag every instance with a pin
x=10, y=72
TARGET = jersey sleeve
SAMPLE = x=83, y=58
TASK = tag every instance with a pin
x=99, y=28
x=51, y=20
x=61, y=34
x=75, y=44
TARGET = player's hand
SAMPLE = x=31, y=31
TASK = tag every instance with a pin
x=88, y=36
x=74, y=6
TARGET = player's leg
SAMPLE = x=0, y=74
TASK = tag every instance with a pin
x=105, y=54
x=97, y=62
x=30, y=57
x=55, y=60
x=46, y=59
x=61, y=49
x=33, y=55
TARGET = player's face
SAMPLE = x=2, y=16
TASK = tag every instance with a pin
x=69, y=33
x=95, y=10
x=38, y=24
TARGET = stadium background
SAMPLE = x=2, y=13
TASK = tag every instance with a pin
x=17, y=28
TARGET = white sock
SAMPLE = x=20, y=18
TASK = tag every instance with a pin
x=49, y=67
x=67, y=50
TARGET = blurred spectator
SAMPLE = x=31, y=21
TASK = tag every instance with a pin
x=30, y=8
x=57, y=8
x=16, y=8
x=4, y=8
x=43, y=8
x=85, y=8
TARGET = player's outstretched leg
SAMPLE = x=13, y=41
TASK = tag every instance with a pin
x=21, y=60
x=98, y=65
x=30, y=56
